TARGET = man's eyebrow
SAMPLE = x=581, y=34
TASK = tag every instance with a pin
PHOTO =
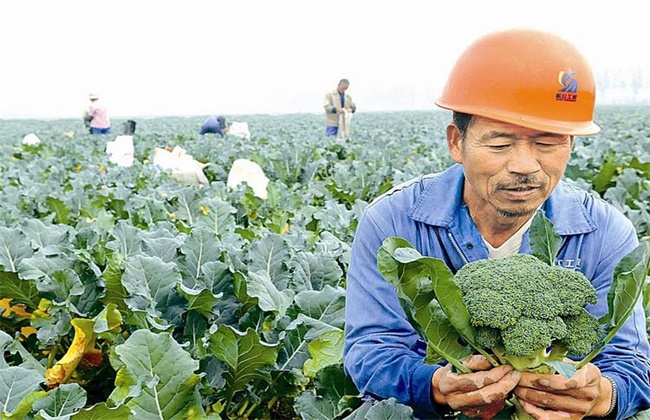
x=499, y=134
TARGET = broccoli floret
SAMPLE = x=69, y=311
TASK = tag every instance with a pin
x=573, y=288
x=530, y=335
x=526, y=311
x=583, y=333
x=488, y=338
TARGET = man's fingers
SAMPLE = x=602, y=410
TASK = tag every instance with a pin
x=466, y=382
x=589, y=375
x=541, y=414
x=476, y=397
x=477, y=362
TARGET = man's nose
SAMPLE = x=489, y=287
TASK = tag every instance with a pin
x=524, y=160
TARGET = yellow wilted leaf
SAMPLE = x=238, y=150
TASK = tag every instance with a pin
x=78, y=168
x=204, y=209
x=25, y=332
x=18, y=309
x=69, y=134
x=84, y=341
x=102, y=168
x=285, y=229
x=44, y=305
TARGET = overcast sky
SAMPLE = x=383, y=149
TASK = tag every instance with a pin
x=154, y=58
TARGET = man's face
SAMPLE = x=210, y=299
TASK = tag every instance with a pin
x=509, y=170
x=343, y=87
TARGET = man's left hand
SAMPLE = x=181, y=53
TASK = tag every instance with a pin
x=586, y=393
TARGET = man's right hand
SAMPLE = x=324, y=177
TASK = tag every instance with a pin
x=480, y=394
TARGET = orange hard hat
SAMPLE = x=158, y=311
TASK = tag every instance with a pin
x=524, y=77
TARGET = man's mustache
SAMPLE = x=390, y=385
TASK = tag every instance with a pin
x=521, y=181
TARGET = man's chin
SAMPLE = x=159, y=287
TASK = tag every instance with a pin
x=516, y=213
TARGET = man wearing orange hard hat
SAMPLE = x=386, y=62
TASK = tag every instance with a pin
x=519, y=97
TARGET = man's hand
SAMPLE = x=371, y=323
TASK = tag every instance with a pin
x=586, y=393
x=480, y=394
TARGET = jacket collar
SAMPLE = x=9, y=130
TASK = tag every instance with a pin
x=441, y=202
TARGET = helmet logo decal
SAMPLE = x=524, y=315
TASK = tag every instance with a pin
x=569, y=89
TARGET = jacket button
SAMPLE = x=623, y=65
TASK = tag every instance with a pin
x=469, y=246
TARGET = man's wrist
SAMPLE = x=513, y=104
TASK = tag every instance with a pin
x=614, y=398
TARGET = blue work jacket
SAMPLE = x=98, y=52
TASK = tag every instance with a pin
x=384, y=355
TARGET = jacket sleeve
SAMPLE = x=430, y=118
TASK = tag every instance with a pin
x=328, y=104
x=626, y=358
x=383, y=354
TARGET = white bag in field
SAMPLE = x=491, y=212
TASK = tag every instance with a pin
x=240, y=129
x=345, y=120
x=184, y=167
x=120, y=151
x=244, y=170
x=31, y=139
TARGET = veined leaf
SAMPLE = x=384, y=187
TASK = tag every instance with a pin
x=15, y=384
x=271, y=255
x=544, y=242
x=103, y=412
x=62, y=401
x=325, y=350
x=247, y=357
x=200, y=247
x=269, y=298
x=330, y=398
x=14, y=247
x=168, y=384
x=630, y=276
x=200, y=300
x=321, y=310
x=418, y=280
x=21, y=290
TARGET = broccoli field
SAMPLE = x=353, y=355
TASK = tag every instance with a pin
x=125, y=293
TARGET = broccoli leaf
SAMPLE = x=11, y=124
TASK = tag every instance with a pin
x=544, y=242
x=627, y=288
x=443, y=321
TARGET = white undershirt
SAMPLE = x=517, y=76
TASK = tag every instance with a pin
x=511, y=246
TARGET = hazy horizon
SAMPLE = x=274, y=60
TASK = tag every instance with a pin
x=149, y=58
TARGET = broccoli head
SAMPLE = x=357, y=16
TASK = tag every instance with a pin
x=528, y=312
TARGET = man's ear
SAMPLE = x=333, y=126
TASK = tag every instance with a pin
x=455, y=143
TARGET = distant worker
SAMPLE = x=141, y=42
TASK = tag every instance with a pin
x=339, y=107
x=214, y=124
x=96, y=117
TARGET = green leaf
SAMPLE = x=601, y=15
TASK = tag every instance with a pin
x=60, y=210
x=630, y=276
x=260, y=286
x=321, y=310
x=326, y=350
x=217, y=216
x=200, y=300
x=114, y=290
x=150, y=282
x=271, y=255
x=15, y=384
x=23, y=291
x=62, y=401
x=390, y=409
x=14, y=247
x=418, y=280
x=163, y=370
x=103, y=412
x=330, y=398
x=544, y=242
x=247, y=357
x=200, y=247
x=313, y=272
